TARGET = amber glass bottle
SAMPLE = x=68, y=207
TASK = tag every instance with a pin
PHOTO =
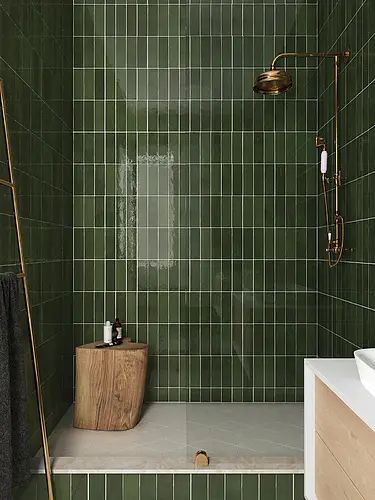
x=117, y=328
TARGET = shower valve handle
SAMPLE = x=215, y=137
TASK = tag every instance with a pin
x=320, y=142
x=339, y=180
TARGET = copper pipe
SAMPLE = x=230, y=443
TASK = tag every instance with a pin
x=337, y=165
x=344, y=53
x=6, y=183
x=338, y=242
x=338, y=247
x=22, y=275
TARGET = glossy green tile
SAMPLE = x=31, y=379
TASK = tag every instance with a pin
x=199, y=487
x=96, y=486
x=131, y=486
x=164, y=486
x=79, y=483
x=216, y=487
x=349, y=282
x=233, y=486
x=199, y=166
x=114, y=485
x=181, y=487
x=148, y=487
x=171, y=487
x=62, y=486
x=298, y=487
x=250, y=484
x=284, y=487
x=41, y=122
x=268, y=487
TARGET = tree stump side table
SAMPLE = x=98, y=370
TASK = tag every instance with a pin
x=110, y=385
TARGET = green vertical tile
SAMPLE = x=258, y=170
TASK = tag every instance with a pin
x=268, y=487
x=284, y=486
x=148, y=487
x=79, y=484
x=164, y=487
x=114, y=485
x=233, y=487
x=216, y=486
x=251, y=485
x=298, y=487
x=181, y=487
x=146, y=93
x=131, y=486
x=61, y=483
x=199, y=487
x=44, y=194
x=97, y=486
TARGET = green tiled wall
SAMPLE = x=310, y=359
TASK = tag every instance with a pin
x=346, y=298
x=168, y=487
x=194, y=199
x=36, y=67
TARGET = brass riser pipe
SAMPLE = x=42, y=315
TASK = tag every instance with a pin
x=22, y=275
x=337, y=163
x=338, y=241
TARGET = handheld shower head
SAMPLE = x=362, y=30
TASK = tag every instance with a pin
x=273, y=82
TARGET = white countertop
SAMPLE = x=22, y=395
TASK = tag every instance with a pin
x=341, y=376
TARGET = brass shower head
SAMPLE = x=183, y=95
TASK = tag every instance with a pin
x=273, y=82
x=277, y=81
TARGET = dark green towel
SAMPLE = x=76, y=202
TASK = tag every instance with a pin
x=14, y=435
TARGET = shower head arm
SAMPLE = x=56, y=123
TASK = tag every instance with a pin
x=344, y=54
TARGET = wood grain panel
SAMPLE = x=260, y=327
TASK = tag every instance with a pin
x=350, y=440
x=332, y=483
x=110, y=386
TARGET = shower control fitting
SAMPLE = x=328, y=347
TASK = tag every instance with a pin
x=320, y=142
x=334, y=246
x=337, y=180
x=277, y=81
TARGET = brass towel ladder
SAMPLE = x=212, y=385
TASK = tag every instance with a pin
x=11, y=184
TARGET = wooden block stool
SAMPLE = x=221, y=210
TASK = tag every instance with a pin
x=110, y=385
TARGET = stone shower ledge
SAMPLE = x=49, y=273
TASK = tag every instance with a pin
x=240, y=438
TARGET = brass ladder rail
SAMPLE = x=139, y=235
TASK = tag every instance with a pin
x=11, y=184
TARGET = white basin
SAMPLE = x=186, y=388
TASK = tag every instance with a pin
x=365, y=359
